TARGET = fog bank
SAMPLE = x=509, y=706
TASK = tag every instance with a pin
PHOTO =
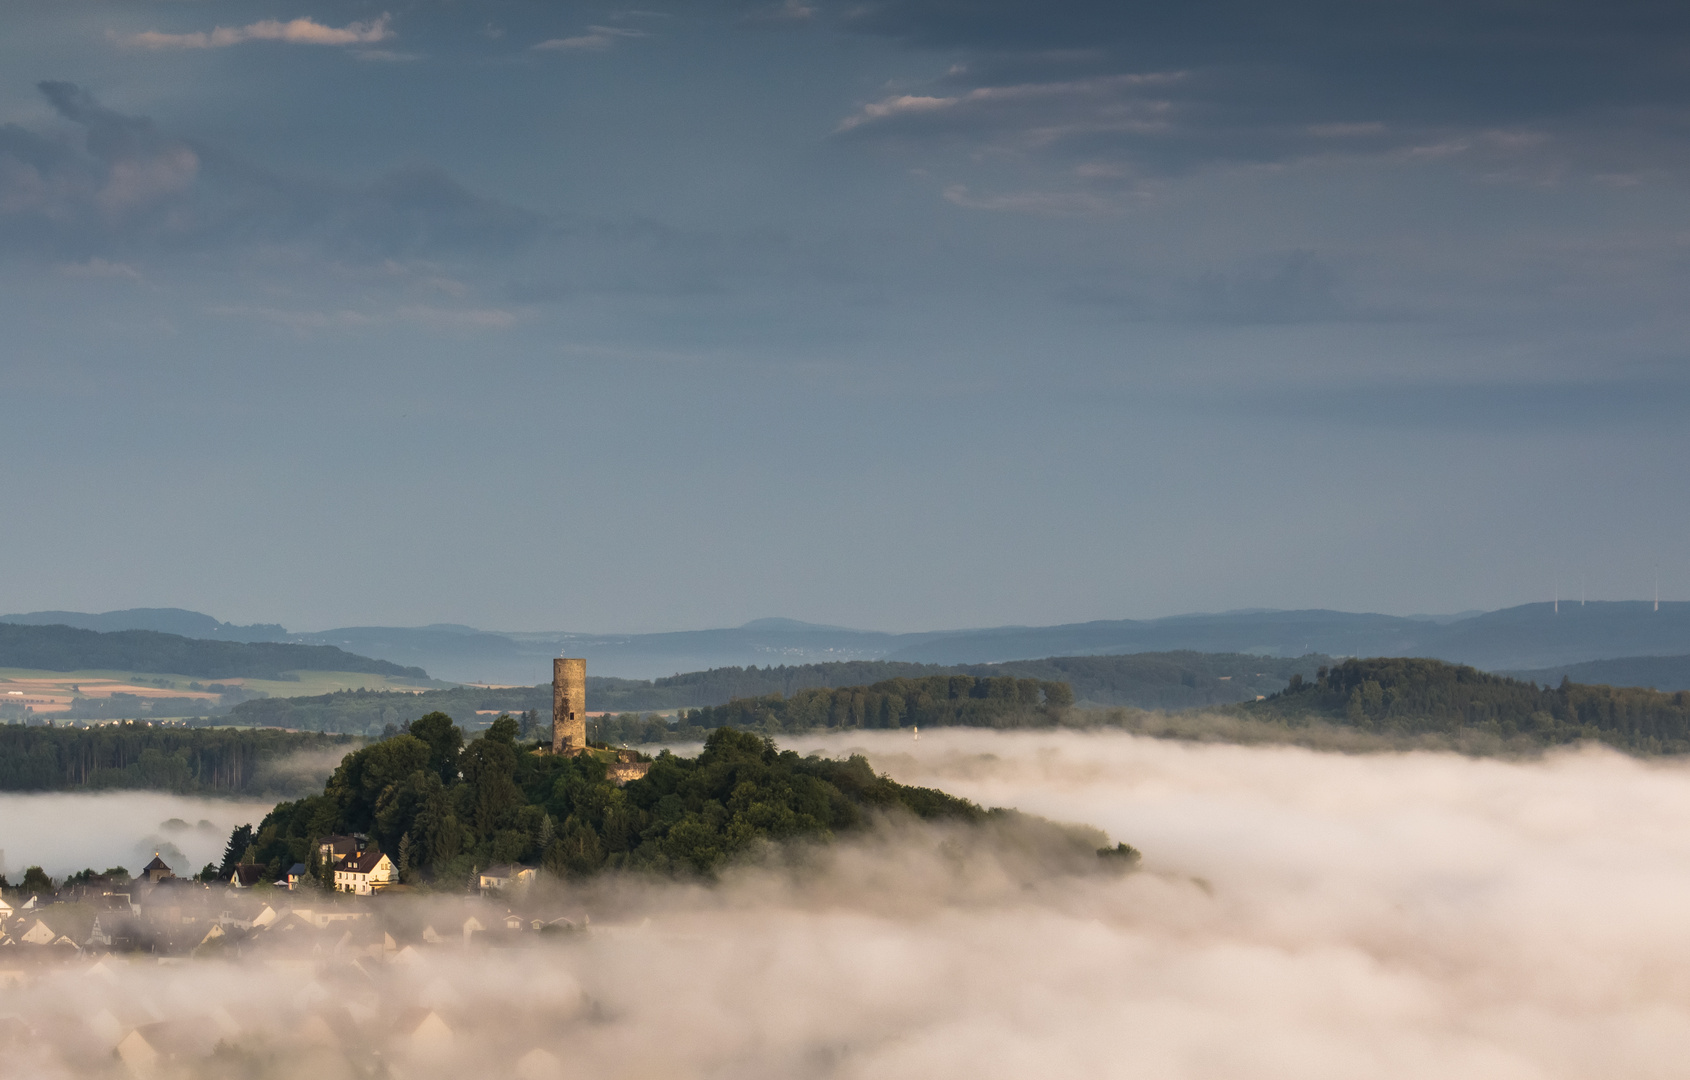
x=64, y=832
x=1300, y=915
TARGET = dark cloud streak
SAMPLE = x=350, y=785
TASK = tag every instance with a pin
x=1270, y=82
x=130, y=187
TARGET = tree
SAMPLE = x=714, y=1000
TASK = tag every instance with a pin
x=444, y=742
x=489, y=767
x=236, y=850
x=36, y=882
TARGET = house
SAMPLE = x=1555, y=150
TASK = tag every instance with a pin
x=246, y=875
x=503, y=876
x=156, y=871
x=291, y=880
x=332, y=849
x=364, y=873
x=39, y=934
x=5, y=910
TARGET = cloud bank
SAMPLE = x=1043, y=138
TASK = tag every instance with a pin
x=1300, y=914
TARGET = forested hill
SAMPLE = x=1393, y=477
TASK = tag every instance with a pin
x=1410, y=696
x=65, y=648
x=1179, y=680
x=183, y=760
x=440, y=807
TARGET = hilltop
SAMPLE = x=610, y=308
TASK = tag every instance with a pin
x=1418, y=696
x=439, y=806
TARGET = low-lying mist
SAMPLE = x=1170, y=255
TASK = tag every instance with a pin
x=1299, y=914
x=66, y=832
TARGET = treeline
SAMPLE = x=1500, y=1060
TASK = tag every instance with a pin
x=1177, y=680
x=64, y=648
x=1413, y=696
x=1169, y=680
x=139, y=756
x=372, y=712
x=937, y=701
x=440, y=807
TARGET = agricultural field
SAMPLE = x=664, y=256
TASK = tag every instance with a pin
x=48, y=693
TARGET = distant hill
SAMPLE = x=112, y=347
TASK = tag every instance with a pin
x=1418, y=696
x=66, y=648
x=1149, y=681
x=1531, y=636
x=191, y=624
x=1655, y=672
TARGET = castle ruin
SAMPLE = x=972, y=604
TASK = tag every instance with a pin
x=569, y=706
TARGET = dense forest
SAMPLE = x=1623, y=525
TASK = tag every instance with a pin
x=1412, y=696
x=1174, y=680
x=64, y=648
x=184, y=760
x=440, y=807
x=1147, y=681
x=937, y=701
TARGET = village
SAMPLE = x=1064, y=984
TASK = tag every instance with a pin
x=157, y=914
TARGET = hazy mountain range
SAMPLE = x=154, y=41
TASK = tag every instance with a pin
x=1531, y=637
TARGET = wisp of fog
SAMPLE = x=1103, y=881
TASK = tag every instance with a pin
x=65, y=832
x=1299, y=914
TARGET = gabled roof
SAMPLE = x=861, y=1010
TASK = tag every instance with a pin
x=247, y=875
x=361, y=863
x=156, y=864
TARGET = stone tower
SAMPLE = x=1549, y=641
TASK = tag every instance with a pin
x=569, y=706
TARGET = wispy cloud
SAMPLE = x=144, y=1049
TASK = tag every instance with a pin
x=97, y=267
x=125, y=182
x=596, y=39
x=304, y=31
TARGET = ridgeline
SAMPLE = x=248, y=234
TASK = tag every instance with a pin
x=1180, y=680
x=65, y=648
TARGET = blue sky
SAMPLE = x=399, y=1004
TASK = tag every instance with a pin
x=902, y=315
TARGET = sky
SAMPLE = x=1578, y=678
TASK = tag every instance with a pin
x=901, y=315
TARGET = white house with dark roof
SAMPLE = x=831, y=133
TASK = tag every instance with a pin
x=504, y=876
x=364, y=873
x=246, y=875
